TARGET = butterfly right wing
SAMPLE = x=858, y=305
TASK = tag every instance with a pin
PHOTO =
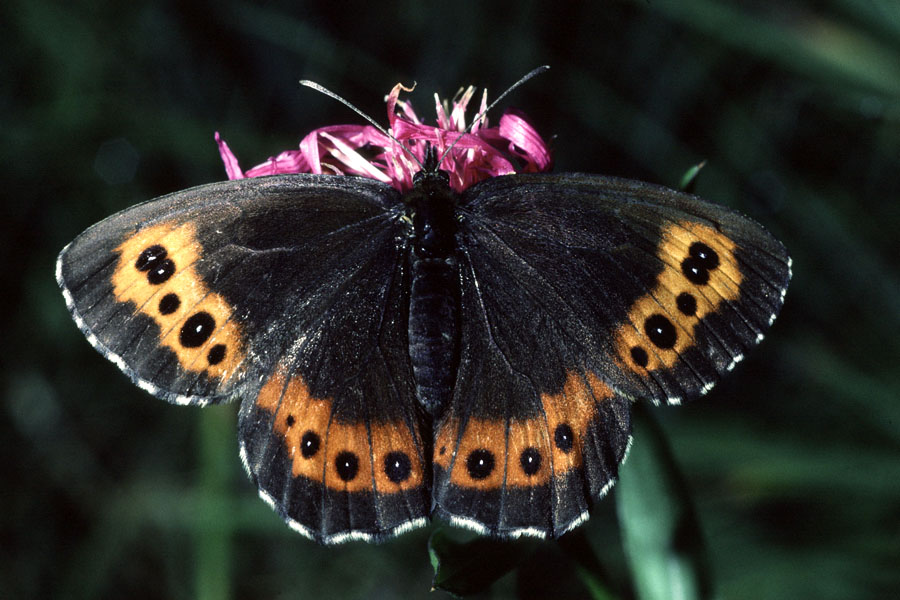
x=531, y=436
x=580, y=294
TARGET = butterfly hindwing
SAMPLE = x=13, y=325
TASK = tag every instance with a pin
x=287, y=292
x=333, y=438
x=531, y=434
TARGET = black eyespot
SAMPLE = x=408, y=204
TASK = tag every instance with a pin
x=309, y=444
x=564, y=437
x=290, y=420
x=705, y=255
x=530, y=460
x=347, y=465
x=150, y=257
x=160, y=272
x=169, y=304
x=687, y=304
x=216, y=354
x=694, y=270
x=196, y=330
x=480, y=463
x=660, y=331
x=397, y=466
x=639, y=356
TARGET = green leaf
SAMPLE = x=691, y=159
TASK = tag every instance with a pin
x=468, y=567
x=689, y=179
x=565, y=568
x=661, y=536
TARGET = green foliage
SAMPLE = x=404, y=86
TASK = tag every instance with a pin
x=662, y=538
x=463, y=568
x=466, y=564
x=688, y=181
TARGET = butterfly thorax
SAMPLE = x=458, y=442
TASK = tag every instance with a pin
x=434, y=294
x=432, y=205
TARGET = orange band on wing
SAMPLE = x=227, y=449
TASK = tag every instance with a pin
x=700, y=273
x=156, y=271
x=345, y=456
x=523, y=452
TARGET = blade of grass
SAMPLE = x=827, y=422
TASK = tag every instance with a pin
x=590, y=572
x=661, y=535
x=812, y=45
x=212, y=545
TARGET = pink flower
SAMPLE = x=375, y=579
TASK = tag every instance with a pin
x=511, y=147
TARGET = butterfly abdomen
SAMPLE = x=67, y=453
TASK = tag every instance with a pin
x=433, y=329
x=434, y=294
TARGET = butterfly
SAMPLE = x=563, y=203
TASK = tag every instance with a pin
x=471, y=356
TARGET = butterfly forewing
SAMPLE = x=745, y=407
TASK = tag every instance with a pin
x=194, y=293
x=660, y=292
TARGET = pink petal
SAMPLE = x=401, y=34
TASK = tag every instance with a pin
x=458, y=115
x=289, y=161
x=393, y=100
x=353, y=161
x=441, y=112
x=232, y=168
x=525, y=141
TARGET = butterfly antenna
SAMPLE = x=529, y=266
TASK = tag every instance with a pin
x=373, y=122
x=481, y=115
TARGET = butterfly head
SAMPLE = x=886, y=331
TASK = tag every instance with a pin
x=430, y=177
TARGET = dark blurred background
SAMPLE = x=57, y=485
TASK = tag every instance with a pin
x=792, y=463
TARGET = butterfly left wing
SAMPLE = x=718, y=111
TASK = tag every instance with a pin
x=579, y=295
x=289, y=292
